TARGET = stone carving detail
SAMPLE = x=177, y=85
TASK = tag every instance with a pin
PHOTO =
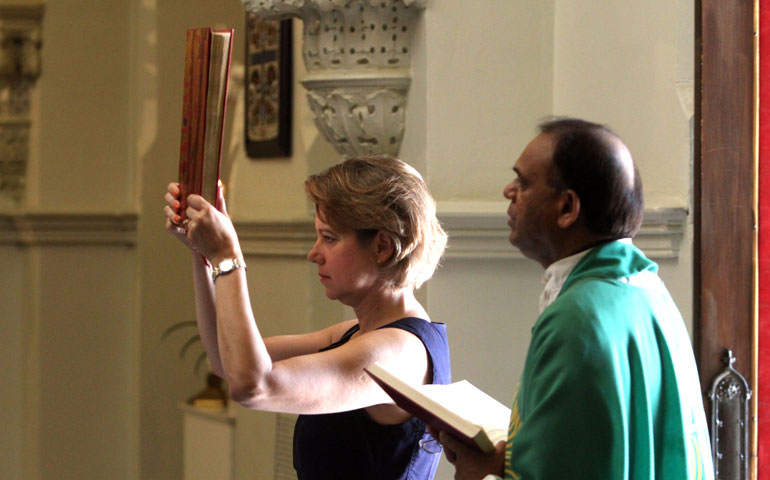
x=357, y=56
x=360, y=119
x=19, y=69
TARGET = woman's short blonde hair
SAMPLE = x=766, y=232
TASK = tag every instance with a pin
x=381, y=193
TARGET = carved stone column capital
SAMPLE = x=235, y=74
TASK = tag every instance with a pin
x=20, y=66
x=357, y=56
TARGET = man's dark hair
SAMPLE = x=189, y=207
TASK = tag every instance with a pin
x=587, y=159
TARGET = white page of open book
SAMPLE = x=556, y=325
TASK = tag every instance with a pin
x=471, y=403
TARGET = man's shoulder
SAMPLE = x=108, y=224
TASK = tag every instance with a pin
x=612, y=260
x=572, y=317
x=587, y=294
x=595, y=308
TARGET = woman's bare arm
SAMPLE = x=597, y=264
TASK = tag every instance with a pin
x=321, y=382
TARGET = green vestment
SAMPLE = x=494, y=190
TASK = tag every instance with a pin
x=610, y=388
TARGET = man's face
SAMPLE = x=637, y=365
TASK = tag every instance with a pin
x=534, y=204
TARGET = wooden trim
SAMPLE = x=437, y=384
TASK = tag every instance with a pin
x=724, y=233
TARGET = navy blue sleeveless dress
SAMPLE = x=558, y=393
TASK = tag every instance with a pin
x=350, y=445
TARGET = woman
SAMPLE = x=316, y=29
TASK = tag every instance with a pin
x=378, y=239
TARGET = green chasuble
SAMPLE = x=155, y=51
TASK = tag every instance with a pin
x=610, y=388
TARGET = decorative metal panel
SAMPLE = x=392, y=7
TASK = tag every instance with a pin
x=730, y=396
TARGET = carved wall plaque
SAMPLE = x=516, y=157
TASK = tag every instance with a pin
x=19, y=69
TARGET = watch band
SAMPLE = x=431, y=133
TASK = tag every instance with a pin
x=227, y=266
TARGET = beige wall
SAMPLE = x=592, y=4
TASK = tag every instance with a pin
x=90, y=279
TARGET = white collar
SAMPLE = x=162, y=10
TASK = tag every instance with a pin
x=555, y=276
x=557, y=272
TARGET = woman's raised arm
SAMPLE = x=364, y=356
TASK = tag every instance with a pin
x=321, y=382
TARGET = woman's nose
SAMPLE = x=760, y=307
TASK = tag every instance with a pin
x=313, y=255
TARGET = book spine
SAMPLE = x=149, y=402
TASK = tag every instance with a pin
x=184, y=148
x=200, y=89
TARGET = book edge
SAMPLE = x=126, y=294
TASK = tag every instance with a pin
x=460, y=426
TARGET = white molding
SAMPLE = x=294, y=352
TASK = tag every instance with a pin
x=662, y=232
x=28, y=229
x=291, y=238
x=477, y=230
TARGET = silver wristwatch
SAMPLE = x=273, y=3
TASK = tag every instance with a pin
x=227, y=266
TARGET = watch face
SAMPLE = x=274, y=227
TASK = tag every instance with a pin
x=226, y=265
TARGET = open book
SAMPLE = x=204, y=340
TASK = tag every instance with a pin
x=459, y=409
x=206, y=74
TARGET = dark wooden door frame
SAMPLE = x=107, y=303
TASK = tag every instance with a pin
x=724, y=192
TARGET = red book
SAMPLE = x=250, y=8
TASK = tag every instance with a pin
x=204, y=98
x=459, y=409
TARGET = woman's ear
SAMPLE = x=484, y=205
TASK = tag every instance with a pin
x=570, y=209
x=382, y=247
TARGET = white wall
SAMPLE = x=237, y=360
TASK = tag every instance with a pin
x=631, y=65
x=488, y=77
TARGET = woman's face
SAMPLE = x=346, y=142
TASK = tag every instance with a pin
x=347, y=269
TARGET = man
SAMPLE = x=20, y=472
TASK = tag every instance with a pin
x=610, y=388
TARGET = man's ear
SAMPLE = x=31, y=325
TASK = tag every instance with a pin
x=382, y=247
x=569, y=208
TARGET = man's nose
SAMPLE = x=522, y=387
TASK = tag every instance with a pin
x=509, y=191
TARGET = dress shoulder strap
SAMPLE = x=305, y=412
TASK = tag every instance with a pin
x=433, y=335
x=344, y=339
